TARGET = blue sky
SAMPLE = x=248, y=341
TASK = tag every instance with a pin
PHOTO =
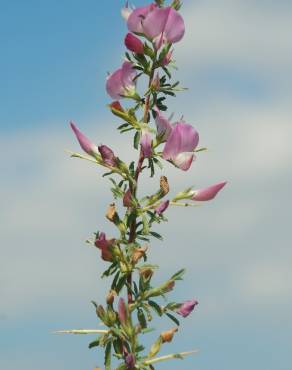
x=236, y=61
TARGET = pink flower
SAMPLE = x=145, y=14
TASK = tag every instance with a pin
x=104, y=245
x=137, y=16
x=162, y=207
x=208, y=193
x=84, y=142
x=146, y=143
x=107, y=155
x=121, y=82
x=159, y=24
x=187, y=307
x=122, y=311
x=134, y=44
x=180, y=145
x=164, y=127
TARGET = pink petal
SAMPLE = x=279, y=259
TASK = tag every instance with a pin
x=184, y=160
x=208, y=193
x=128, y=75
x=183, y=138
x=137, y=16
x=146, y=143
x=155, y=22
x=175, y=27
x=114, y=85
x=164, y=127
x=84, y=142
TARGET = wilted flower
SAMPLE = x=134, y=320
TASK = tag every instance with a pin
x=180, y=145
x=162, y=207
x=121, y=82
x=111, y=297
x=84, y=142
x=134, y=44
x=105, y=246
x=146, y=143
x=208, y=193
x=117, y=106
x=107, y=155
x=167, y=336
x=138, y=254
x=187, y=307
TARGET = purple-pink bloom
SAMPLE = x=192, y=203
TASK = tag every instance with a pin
x=84, y=142
x=159, y=24
x=208, y=193
x=122, y=311
x=137, y=16
x=146, y=143
x=164, y=127
x=107, y=155
x=134, y=44
x=121, y=82
x=162, y=207
x=180, y=145
x=130, y=361
x=187, y=307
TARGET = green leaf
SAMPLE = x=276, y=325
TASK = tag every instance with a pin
x=111, y=270
x=95, y=343
x=107, y=357
x=121, y=283
x=156, y=235
x=137, y=139
x=178, y=275
x=114, y=283
x=174, y=319
x=156, y=307
x=141, y=318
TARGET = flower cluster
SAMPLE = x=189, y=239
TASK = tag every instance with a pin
x=152, y=32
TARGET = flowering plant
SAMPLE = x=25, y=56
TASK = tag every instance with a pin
x=132, y=298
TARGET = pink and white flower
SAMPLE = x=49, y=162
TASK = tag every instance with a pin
x=158, y=24
x=180, y=145
x=122, y=82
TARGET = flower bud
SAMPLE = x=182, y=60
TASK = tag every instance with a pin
x=167, y=336
x=187, y=308
x=100, y=312
x=166, y=60
x=134, y=44
x=107, y=155
x=122, y=311
x=117, y=106
x=130, y=361
x=111, y=297
x=138, y=254
x=111, y=212
x=146, y=273
x=162, y=207
x=155, y=84
x=146, y=143
x=206, y=194
x=105, y=246
x=127, y=199
x=84, y=142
